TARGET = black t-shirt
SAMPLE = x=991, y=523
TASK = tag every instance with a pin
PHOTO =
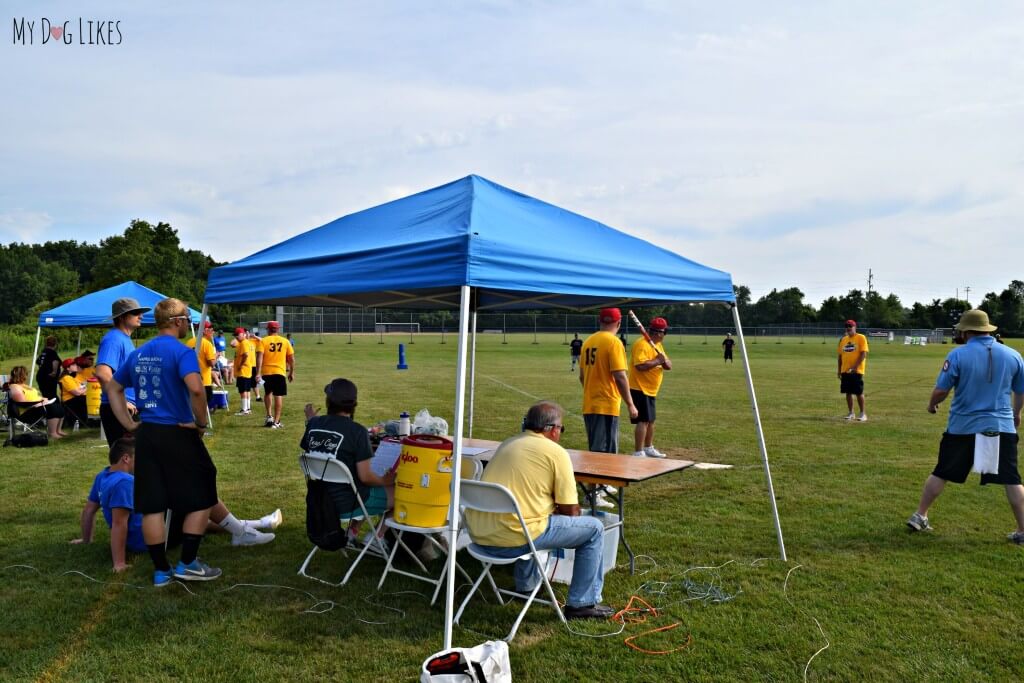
x=46, y=376
x=728, y=344
x=345, y=439
x=576, y=347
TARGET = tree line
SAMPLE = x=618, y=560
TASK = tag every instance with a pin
x=42, y=276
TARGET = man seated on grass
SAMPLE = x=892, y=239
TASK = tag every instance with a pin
x=338, y=435
x=538, y=472
x=113, y=492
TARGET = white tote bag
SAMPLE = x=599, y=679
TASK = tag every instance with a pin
x=486, y=663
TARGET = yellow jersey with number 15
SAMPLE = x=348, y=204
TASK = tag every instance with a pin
x=276, y=349
x=603, y=354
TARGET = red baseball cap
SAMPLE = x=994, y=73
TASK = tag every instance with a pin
x=273, y=325
x=852, y=322
x=659, y=324
x=239, y=330
x=208, y=325
x=68, y=362
x=610, y=315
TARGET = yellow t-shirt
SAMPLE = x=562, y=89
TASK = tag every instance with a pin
x=647, y=381
x=276, y=350
x=207, y=358
x=602, y=355
x=69, y=384
x=30, y=394
x=247, y=349
x=85, y=374
x=850, y=349
x=538, y=472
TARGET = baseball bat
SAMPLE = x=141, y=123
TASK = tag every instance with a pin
x=643, y=330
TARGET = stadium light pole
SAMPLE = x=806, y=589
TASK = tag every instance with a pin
x=760, y=431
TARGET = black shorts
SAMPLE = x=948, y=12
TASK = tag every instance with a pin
x=602, y=432
x=244, y=384
x=209, y=395
x=728, y=354
x=645, y=411
x=112, y=428
x=956, y=457
x=50, y=411
x=851, y=383
x=173, y=470
x=275, y=384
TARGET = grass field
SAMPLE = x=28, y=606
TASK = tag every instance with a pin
x=892, y=606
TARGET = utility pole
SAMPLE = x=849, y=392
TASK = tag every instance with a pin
x=967, y=293
x=870, y=278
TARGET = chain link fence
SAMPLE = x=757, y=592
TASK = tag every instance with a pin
x=388, y=322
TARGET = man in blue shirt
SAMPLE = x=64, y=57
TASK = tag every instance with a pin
x=981, y=433
x=114, y=349
x=173, y=469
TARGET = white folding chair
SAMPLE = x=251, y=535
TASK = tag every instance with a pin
x=471, y=469
x=329, y=469
x=495, y=498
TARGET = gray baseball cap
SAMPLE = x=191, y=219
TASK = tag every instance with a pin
x=126, y=305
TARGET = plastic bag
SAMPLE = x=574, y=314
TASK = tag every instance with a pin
x=425, y=424
x=486, y=663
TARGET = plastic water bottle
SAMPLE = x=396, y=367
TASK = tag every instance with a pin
x=403, y=424
x=75, y=428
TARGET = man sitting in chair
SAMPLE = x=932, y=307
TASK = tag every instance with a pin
x=538, y=472
x=338, y=435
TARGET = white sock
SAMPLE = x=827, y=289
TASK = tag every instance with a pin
x=245, y=403
x=232, y=525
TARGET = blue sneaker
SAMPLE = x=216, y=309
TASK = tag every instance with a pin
x=162, y=578
x=196, y=571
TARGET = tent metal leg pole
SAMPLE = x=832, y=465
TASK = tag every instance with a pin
x=453, y=506
x=78, y=351
x=199, y=344
x=760, y=432
x=472, y=373
x=32, y=362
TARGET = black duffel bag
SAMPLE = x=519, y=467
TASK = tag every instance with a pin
x=28, y=440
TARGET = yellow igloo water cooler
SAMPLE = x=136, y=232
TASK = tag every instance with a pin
x=423, y=481
x=93, y=392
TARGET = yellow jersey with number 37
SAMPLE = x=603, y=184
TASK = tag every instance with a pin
x=276, y=349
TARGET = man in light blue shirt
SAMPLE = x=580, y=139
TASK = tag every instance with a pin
x=983, y=418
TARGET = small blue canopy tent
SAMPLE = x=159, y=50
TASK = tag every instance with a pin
x=476, y=246
x=93, y=310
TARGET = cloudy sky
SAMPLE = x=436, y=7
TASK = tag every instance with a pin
x=786, y=143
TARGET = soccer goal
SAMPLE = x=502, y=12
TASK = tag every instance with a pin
x=408, y=328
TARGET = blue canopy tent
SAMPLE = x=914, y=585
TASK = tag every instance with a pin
x=474, y=246
x=93, y=310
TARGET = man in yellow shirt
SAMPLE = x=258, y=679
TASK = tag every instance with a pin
x=278, y=357
x=244, y=362
x=86, y=371
x=605, y=384
x=647, y=363
x=538, y=472
x=207, y=359
x=853, y=361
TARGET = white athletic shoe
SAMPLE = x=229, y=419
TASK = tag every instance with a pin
x=862, y=418
x=653, y=452
x=849, y=417
x=602, y=502
x=639, y=454
x=271, y=521
x=251, y=537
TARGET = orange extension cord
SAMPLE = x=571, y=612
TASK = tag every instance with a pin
x=635, y=612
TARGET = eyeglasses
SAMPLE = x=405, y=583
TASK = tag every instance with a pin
x=560, y=428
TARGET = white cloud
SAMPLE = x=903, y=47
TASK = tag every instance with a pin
x=716, y=131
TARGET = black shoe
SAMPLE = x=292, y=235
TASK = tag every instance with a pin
x=588, y=612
